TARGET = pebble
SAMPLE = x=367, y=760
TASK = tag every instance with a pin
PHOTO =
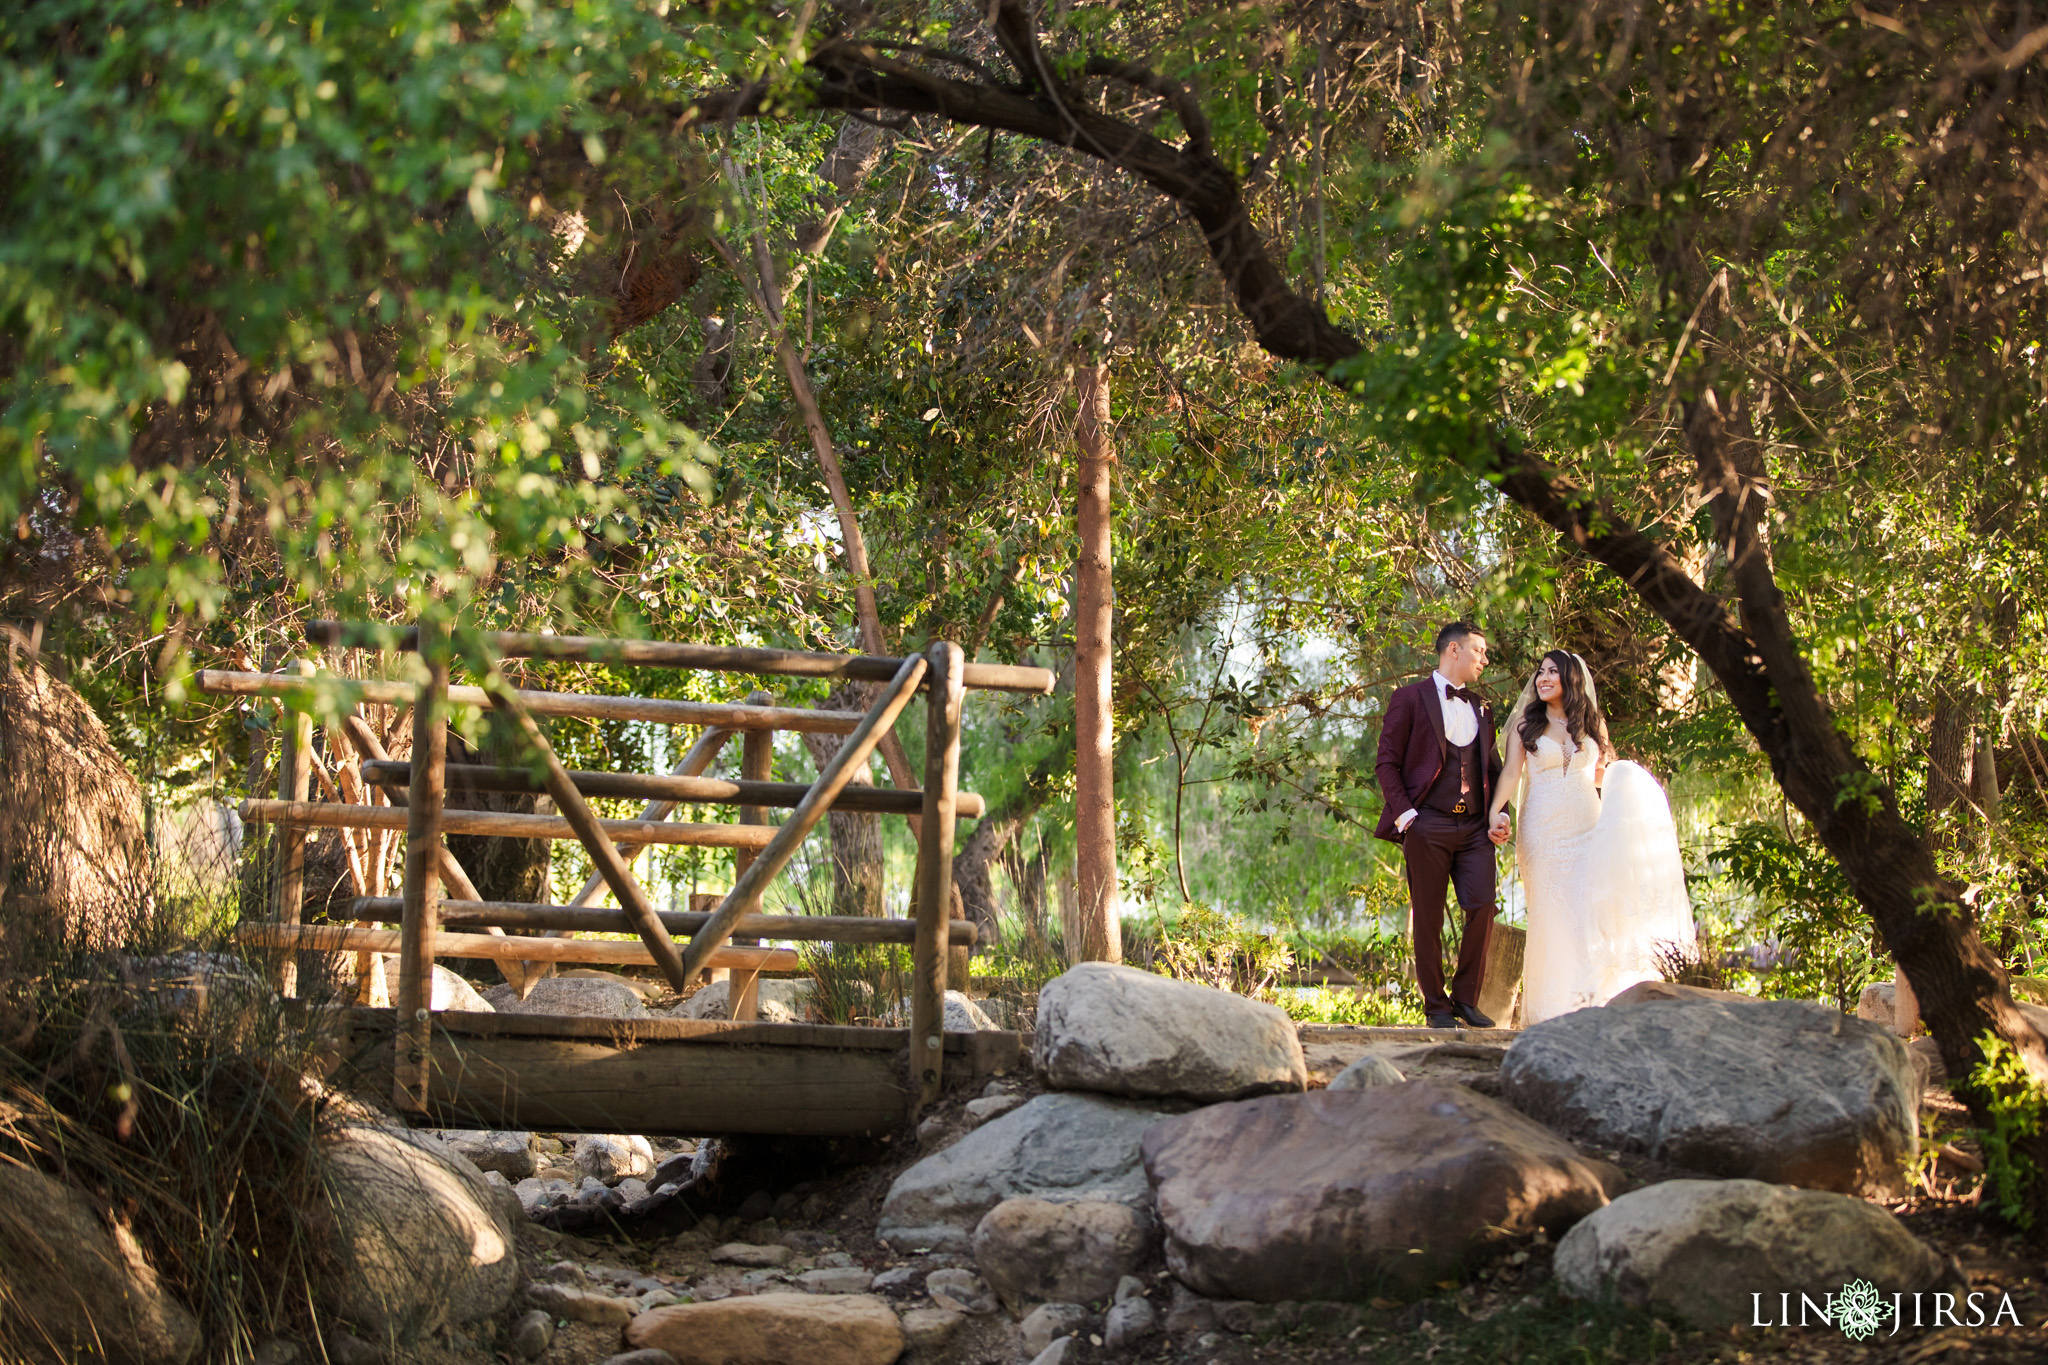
x=1048, y=1322
x=930, y=1329
x=836, y=1280
x=1128, y=1323
x=583, y=1305
x=747, y=1254
x=532, y=1334
x=963, y=1291
x=992, y=1106
x=899, y=1280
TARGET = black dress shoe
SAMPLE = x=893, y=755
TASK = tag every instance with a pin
x=1440, y=1020
x=1467, y=1014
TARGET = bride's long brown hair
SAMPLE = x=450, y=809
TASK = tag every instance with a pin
x=1582, y=716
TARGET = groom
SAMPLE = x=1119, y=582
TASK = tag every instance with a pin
x=1437, y=766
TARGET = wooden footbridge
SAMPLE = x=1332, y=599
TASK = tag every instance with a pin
x=654, y=1075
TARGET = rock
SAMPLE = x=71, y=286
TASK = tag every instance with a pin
x=1354, y=1192
x=1037, y=1251
x=420, y=1240
x=509, y=1154
x=532, y=1334
x=1128, y=1288
x=1055, y=1354
x=344, y=1348
x=715, y=1002
x=1927, y=1063
x=1049, y=1322
x=276, y=1351
x=647, y=1356
x=774, y=1329
x=508, y=1200
x=1786, y=1091
x=68, y=1282
x=1367, y=1073
x=899, y=1280
x=1060, y=1147
x=754, y=1257
x=963, y=1291
x=587, y=996
x=930, y=1329
x=611, y=1157
x=835, y=1280
x=1190, y=1312
x=991, y=1106
x=582, y=1305
x=1644, y=992
x=1876, y=1005
x=755, y=1207
x=1698, y=1249
x=1121, y=1031
x=1129, y=1323
x=962, y=1015
x=453, y=992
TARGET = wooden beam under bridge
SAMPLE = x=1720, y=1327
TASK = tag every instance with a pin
x=679, y=1077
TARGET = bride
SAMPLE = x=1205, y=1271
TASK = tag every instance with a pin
x=1598, y=852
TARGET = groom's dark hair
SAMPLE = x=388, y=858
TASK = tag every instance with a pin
x=1455, y=630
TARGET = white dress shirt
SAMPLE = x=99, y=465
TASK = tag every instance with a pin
x=1461, y=726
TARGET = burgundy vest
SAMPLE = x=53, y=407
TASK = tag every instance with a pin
x=1460, y=773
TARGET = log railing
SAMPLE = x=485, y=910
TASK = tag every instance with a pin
x=432, y=926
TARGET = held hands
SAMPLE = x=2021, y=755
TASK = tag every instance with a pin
x=1500, y=832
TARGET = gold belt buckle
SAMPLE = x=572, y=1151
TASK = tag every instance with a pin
x=1459, y=809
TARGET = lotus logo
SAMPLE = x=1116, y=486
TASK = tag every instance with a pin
x=1860, y=1310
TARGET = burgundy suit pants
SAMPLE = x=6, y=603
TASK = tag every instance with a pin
x=1443, y=852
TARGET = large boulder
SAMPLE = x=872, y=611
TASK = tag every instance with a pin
x=1106, y=1027
x=71, y=1288
x=1034, y=1251
x=1699, y=1249
x=1781, y=1090
x=962, y=1015
x=1056, y=1147
x=1339, y=1194
x=773, y=1329
x=420, y=1239
x=585, y=996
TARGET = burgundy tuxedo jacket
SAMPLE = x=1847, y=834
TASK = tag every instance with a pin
x=1413, y=750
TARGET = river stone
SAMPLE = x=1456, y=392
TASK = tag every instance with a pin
x=1367, y=1073
x=963, y=1015
x=1643, y=992
x=509, y=1154
x=612, y=1157
x=585, y=996
x=1787, y=1091
x=69, y=1283
x=1343, y=1194
x=420, y=1240
x=1698, y=1249
x=1057, y=1147
x=1036, y=1251
x=774, y=1329
x=715, y=1002
x=1103, y=1026
x=454, y=992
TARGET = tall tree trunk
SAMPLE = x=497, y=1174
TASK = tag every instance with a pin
x=856, y=837
x=1100, y=933
x=1948, y=768
x=989, y=842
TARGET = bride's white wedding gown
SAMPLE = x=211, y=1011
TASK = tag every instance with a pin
x=1601, y=877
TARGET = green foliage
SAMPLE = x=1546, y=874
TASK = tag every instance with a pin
x=1804, y=902
x=1221, y=950
x=2016, y=1103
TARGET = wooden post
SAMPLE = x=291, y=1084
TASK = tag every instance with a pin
x=1101, y=939
x=294, y=783
x=415, y=997
x=517, y=974
x=757, y=764
x=595, y=841
x=935, y=870
x=745, y=896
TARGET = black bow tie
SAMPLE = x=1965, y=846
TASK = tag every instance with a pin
x=1462, y=695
